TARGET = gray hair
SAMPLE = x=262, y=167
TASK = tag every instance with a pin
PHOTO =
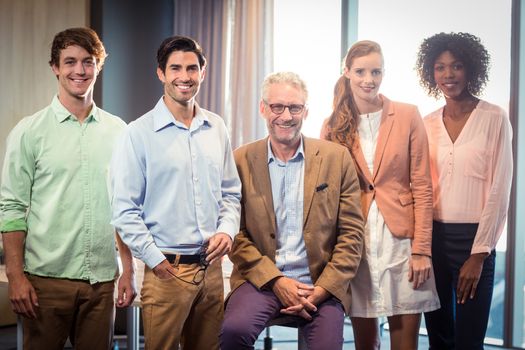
x=289, y=78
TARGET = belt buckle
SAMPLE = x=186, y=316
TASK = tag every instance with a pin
x=202, y=259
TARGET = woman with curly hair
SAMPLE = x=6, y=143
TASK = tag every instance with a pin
x=388, y=143
x=471, y=166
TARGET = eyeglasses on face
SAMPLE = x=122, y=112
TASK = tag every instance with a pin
x=278, y=108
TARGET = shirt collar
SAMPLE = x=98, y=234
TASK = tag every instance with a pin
x=62, y=114
x=299, y=153
x=163, y=118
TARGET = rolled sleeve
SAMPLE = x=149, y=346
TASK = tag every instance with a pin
x=17, y=179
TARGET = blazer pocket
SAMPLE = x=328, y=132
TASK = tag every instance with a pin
x=406, y=218
x=406, y=198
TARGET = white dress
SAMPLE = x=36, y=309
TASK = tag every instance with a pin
x=381, y=286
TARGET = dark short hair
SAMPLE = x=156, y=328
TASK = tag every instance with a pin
x=179, y=43
x=86, y=38
x=466, y=48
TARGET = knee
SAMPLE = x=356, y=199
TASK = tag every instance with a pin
x=236, y=334
x=233, y=327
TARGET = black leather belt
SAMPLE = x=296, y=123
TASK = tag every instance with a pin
x=183, y=259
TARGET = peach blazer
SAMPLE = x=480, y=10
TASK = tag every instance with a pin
x=332, y=220
x=401, y=183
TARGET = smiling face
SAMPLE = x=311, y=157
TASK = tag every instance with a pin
x=365, y=74
x=450, y=75
x=76, y=73
x=284, y=128
x=182, y=77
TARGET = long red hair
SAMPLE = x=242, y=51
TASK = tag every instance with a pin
x=342, y=123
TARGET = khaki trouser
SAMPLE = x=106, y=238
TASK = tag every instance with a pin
x=177, y=312
x=70, y=308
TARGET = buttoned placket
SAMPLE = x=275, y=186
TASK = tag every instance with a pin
x=86, y=192
x=195, y=175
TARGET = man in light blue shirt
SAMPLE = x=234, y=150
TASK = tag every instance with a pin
x=176, y=204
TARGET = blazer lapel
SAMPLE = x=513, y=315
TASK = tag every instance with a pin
x=359, y=158
x=261, y=177
x=312, y=165
x=387, y=120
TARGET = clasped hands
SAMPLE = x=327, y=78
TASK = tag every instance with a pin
x=299, y=299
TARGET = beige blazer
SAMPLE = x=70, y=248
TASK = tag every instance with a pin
x=333, y=223
x=401, y=183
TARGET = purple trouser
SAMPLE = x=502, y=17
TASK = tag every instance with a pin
x=249, y=310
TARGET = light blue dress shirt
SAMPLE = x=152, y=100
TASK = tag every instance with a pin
x=287, y=180
x=173, y=186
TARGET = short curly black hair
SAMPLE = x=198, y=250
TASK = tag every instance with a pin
x=466, y=48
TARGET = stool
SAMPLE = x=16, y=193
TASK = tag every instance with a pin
x=286, y=321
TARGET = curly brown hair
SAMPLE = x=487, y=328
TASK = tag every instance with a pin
x=342, y=123
x=466, y=48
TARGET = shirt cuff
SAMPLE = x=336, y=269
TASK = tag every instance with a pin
x=480, y=249
x=229, y=229
x=153, y=256
x=13, y=225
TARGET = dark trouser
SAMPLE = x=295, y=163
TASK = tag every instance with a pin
x=249, y=310
x=70, y=308
x=458, y=326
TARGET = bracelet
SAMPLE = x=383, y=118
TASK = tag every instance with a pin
x=419, y=254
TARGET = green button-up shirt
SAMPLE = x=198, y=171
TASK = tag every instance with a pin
x=55, y=187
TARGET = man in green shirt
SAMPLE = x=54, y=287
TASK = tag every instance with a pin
x=55, y=209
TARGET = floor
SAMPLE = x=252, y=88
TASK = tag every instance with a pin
x=283, y=339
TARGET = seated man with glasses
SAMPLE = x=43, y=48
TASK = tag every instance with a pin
x=301, y=233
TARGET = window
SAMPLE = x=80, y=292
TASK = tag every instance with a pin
x=309, y=44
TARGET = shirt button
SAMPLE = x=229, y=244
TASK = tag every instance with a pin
x=371, y=187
